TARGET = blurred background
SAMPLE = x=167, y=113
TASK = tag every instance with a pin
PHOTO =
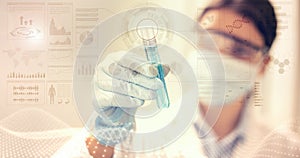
x=40, y=40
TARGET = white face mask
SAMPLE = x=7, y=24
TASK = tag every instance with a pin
x=239, y=78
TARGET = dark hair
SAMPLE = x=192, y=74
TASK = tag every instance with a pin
x=260, y=12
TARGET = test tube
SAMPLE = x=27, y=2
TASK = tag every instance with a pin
x=147, y=30
x=153, y=56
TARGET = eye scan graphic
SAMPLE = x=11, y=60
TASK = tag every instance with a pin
x=149, y=79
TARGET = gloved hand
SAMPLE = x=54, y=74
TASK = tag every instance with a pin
x=121, y=84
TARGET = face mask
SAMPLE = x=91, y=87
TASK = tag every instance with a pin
x=239, y=77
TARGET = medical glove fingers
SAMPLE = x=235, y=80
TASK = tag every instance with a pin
x=105, y=82
x=126, y=88
x=138, y=64
x=133, y=61
x=106, y=99
x=118, y=72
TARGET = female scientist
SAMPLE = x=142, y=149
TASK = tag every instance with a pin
x=244, y=31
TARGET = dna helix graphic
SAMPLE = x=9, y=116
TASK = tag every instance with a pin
x=237, y=24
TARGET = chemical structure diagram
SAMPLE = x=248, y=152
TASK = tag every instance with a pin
x=281, y=64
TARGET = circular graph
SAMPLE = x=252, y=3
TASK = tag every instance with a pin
x=86, y=38
x=137, y=25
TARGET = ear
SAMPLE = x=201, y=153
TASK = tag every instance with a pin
x=267, y=59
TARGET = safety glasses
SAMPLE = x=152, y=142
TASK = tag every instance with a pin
x=236, y=47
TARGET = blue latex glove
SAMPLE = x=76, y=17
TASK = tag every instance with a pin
x=121, y=84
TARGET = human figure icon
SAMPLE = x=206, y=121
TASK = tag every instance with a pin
x=51, y=94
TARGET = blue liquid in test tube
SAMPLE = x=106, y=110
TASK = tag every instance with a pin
x=153, y=56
